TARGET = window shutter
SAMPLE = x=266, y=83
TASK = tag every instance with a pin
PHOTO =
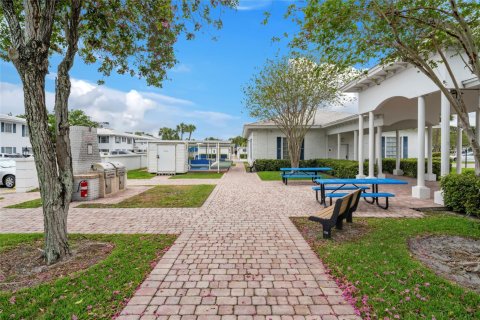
x=302, y=150
x=3, y=128
x=383, y=147
x=279, y=147
x=14, y=128
x=405, y=147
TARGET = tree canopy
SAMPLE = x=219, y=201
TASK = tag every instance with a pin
x=425, y=33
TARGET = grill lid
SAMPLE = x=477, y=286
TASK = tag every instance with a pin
x=117, y=165
x=103, y=166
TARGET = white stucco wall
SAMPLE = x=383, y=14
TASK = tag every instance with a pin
x=130, y=161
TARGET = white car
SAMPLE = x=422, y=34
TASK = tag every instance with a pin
x=7, y=173
x=469, y=157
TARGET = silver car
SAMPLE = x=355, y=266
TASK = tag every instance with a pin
x=7, y=173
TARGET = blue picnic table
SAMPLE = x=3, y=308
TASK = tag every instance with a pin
x=302, y=173
x=358, y=183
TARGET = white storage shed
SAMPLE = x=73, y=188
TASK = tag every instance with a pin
x=167, y=157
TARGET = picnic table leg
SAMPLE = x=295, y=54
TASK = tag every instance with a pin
x=373, y=199
x=322, y=190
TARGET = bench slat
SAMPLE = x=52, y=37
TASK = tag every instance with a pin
x=325, y=213
x=362, y=195
x=318, y=188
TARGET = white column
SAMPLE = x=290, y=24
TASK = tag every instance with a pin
x=459, y=147
x=339, y=143
x=360, y=147
x=371, y=146
x=420, y=190
x=218, y=157
x=326, y=146
x=379, y=153
x=445, y=144
x=355, y=145
x=397, y=171
x=430, y=175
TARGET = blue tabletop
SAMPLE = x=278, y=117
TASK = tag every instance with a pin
x=306, y=169
x=360, y=181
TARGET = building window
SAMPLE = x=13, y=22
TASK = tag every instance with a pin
x=25, y=132
x=9, y=127
x=103, y=139
x=390, y=146
x=129, y=140
x=282, y=149
x=9, y=150
x=117, y=139
x=104, y=150
x=124, y=139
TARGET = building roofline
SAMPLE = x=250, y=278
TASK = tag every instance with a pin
x=375, y=76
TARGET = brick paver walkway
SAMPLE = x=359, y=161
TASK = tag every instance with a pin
x=240, y=258
x=237, y=257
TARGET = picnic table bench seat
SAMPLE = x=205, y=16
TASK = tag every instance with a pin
x=385, y=195
x=334, y=215
x=317, y=189
x=287, y=176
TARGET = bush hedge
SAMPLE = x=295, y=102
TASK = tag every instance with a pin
x=461, y=193
x=348, y=168
x=243, y=156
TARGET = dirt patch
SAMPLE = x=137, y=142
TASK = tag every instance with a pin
x=452, y=257
x=313, y=231
x=22, y=266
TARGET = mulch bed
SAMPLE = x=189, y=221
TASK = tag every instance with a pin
x=452, y=257
x=313, y=231
x=23, y=266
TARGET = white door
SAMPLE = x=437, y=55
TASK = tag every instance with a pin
x=166, y=158
x=344, y=151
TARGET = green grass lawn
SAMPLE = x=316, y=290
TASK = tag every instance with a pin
x=198, y=175
x=464, y=170
x=189, y=196
x=35, y=203
x=380, y=265
x=94, y=293
x=139, y=174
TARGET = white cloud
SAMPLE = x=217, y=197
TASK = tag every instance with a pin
x=246, y=5
x=130, y=110
x=181, y=68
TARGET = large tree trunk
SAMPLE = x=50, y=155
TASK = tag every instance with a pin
x=53, y=191
x=294, y=150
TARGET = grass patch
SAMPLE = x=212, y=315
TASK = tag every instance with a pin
x=35, y=203
x=382, y=269
x=198, y=175
x=189, y=196
x=34, y=190
x=139, y=174
x=464, y=170
x=95, y=293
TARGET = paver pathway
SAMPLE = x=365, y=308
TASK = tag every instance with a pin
x=240, y=258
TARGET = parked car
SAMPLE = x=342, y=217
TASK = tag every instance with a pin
x=469, y=157
x=7, y=173
x=116, y=152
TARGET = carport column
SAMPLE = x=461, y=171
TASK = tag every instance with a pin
x=459, y=147
x=420, y=190
x=379, y=153
x=371, y=146
x=360, y=174
x=326, y=145
x=430, y=175
x=397, y=171
x=445, y=145
x=339, y=143
x=355, y=145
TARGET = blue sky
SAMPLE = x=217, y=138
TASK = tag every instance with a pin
x=205, y=88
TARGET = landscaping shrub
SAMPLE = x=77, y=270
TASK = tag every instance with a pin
x=409, y=166
x=243, y=156
x=348, y=168
x=461, y=192
x=340, y=168
x=436, y=154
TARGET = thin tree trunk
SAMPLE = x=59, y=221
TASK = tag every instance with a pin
x=51, y=187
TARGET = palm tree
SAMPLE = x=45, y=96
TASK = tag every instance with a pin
x=181, y=128
x=190, y=129
x=168, y=134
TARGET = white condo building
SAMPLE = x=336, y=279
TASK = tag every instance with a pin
x=14, y=135
x=111, y=140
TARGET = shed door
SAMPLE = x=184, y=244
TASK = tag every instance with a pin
x=166, y=158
